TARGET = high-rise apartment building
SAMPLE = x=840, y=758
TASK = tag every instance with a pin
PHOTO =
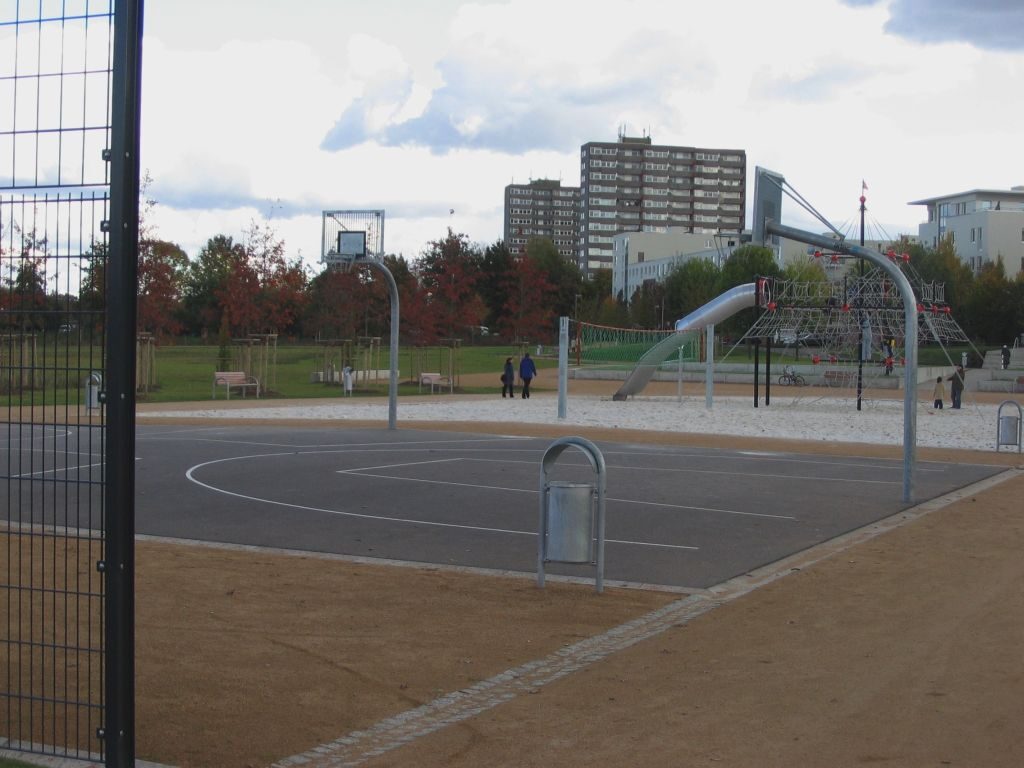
x=634, y=185
x=542, y=208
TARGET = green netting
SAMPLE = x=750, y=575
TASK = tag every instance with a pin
x=611, y=348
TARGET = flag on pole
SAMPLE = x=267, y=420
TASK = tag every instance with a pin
x=863, y=186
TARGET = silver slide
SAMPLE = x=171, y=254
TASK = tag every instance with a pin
x=719, y=308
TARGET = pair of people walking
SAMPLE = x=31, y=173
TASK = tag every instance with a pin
x=527, y=373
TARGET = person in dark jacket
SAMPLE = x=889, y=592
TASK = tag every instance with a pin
x=956, y=387
x=508, y=379
x=1004, y=355
x=527, y=372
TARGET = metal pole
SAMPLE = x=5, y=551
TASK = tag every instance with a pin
x=118, y=567
x=563, y=365
x=679, y=377
x=768, y=370
x=860, y=301
x=910, y=335
x=709, y=367
x=393, y=376
x=757, y=366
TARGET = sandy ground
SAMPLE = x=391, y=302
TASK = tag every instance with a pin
x=901, y=648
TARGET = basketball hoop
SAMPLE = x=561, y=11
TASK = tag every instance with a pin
x=350, y=237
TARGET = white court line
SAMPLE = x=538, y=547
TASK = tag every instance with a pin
x=358, y=473
x=705, y=472
x=56, y=469
x=428, y=523
x=405, y=464
x=33, y=437
x=345, y=447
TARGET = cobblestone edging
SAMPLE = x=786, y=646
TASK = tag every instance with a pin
x=393, y=732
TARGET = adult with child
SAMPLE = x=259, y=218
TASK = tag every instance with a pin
x=527, y=372
x=508, y=379
x=956, y=387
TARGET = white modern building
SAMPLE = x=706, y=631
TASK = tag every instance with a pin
x=984, y=224
x=640, y=257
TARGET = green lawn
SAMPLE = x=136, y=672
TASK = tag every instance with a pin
x=184, y=372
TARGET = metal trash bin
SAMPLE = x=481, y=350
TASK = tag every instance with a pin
x=570, y=522
x=571, y=526
x=1008, y=429
x=93, y=385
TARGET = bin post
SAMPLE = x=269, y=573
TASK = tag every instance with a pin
x=578, y=513
x=1008, y=428
x=93, y=383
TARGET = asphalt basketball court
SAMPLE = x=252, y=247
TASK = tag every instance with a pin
x=683, y=517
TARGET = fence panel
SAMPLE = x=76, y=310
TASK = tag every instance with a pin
x=60, y=198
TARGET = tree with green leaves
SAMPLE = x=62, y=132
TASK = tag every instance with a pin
x=745, y=265
x=992, y=310
x=495, y=267
x=805, y=269
x=592, y=294
x=563, y=274
x=207, y=281
x=645, y=305
x=691, y=285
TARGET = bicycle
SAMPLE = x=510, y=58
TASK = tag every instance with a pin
x=791, y=377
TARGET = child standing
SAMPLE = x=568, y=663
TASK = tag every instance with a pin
x=939, y=393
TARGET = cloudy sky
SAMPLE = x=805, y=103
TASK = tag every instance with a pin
x=277, y=110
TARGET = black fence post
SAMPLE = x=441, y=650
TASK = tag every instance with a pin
x=119, y=729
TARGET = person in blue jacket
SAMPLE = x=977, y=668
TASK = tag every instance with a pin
x=527, y=371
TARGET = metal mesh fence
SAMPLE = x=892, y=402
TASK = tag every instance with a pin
x=56, y=86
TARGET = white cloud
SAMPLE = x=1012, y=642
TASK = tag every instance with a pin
x=440, y=107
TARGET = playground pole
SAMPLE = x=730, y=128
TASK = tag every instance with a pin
x=563, y=365
x=910, y=333
x=709, y=367
x=393, y=376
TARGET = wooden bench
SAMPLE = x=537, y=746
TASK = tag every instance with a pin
x=234, y=380
x=431, y=379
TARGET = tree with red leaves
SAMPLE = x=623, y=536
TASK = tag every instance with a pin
x=529, y=312
x=448, y=271
x=281, y=293
x=161, y=273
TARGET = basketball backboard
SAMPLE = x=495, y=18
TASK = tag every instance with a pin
x=352, y=235
x=767, y=204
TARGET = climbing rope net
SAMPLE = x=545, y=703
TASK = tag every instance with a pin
x=853, y=323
